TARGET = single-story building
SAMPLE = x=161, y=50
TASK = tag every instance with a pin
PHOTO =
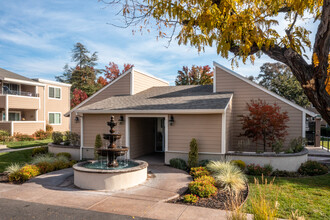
x=155, y=117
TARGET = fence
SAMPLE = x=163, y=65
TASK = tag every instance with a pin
x=325, y=142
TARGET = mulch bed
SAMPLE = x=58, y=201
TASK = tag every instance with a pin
x=3, y=178
x=218, y=201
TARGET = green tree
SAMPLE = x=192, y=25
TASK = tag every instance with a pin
x=247, y=28
x=197, y=75
x=193, y=154
x=278, y=78
x=83, y=75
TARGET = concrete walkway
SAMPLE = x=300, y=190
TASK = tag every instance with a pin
x=318, y=152
x=5, y=150
x=146, y=200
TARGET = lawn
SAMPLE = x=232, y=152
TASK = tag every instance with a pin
x=21, y=156
x=310, y=195
x=24, y=144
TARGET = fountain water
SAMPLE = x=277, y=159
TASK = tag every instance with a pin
x=110, y=174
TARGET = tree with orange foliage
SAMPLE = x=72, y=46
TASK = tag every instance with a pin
x=78, y=96
x=264, y=122
x=112, y=72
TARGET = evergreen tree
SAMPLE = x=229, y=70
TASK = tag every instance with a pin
x=97, y=145
x=193, y=154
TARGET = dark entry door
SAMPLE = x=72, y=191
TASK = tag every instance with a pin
x=160, y=135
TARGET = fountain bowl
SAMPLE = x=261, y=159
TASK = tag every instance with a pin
x=109, y=179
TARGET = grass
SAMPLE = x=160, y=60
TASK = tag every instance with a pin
x=22, y=156
x=24, y=144
x=309, y=195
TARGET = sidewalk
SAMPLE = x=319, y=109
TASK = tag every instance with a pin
x=318, y=152
x=147, y=200
x=5, y=150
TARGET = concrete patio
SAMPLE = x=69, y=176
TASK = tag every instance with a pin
x=147, y=200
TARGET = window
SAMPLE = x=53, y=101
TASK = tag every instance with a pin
x=14, y=116
x=9, y=88
x=54, y=93
x=54, y=118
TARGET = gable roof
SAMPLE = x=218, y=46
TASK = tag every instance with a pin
x=164, y=99
x=131, y=70
x=263, y=89
x=14, y=77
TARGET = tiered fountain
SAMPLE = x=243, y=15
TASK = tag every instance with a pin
x=109, y=173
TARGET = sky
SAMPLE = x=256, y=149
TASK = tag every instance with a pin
x=37, y=36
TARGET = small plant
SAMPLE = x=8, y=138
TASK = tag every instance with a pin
x=43, y=158
x=57, y=137
x=22, y=137
x=190, y=198
x=241, y=164
x=209, y=179
x=193, y=154
x=312, y=168
x=203, y=189
x=228, y=176
x=262, y=207
x=24, y=174
x=4, y=134
x=12, y=168
x=178, y=163
x=296, y=216
x=297, y=144
x=196, y=172
x=39, y=150
x=65, y=154
x=234, y=208
x=257, y=170
x=40, y=135
x=61, y=163
x=45, y=167
x=284, y=173
x=277, y=146
x=203, y=163
x=97, y=145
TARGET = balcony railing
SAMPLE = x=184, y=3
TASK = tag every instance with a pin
x=30, y=94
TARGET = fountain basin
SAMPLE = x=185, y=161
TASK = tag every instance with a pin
x=109, y=179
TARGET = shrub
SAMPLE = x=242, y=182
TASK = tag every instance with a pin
x=312, y=168
x=40, y=135
x=97, y=145
x=65, y=154
x=203, y=189
x=72, y=162
x=49, y=130
x=297, y=144
x=12, y=168
x=24, y=174
x=190, y=198
x=43, y=158
x=57, y=137
x=23, y=137
x=203, y=163
x=284, y=173
x=45, y=167
x=258, y=170
x=178, y=163
x=241, y=164
x=39, y=150
x=67, y=138
x=277, y=147
x=196, y=172
x=4, y=135
x=193, y=154
x=60, y=164
x=75, y=139
x=228, y=176
x=209, y=179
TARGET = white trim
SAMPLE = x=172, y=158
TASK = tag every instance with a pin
x=127, y=128
x=70, y=123
x=303, y=125
x=81, y=136
x=264, y=89
x=101, y=90
x=23, y=82
x=55, y=87
x=6, y=110
x=22, y=96
x=53, y=82
x=223, y=133
x=214, y=80
x=12, y=128
x=169, y=111
x=54, y=117
x=44, y=105
x=186, y=152
x=131, y=90
x=154, y=77
x=26, y=122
